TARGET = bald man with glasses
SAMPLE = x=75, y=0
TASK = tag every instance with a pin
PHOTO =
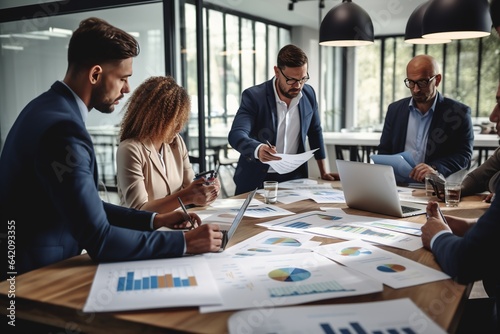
x=436, y=130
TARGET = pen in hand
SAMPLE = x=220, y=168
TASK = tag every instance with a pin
x=186, y=212
x=269, y=144
x=440, y=214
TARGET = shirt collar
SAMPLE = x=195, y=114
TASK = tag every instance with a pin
x=431, y=109
x=84, y=110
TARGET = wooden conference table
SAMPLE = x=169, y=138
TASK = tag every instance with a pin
x=55, y=295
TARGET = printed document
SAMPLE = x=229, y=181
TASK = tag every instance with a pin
x=290, y=162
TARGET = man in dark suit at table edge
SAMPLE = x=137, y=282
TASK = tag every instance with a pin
x=467, y=249
x=51, y=209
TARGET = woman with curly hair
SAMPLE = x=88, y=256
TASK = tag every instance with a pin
x=153, y=167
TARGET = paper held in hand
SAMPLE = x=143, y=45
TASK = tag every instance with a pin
x=290, y=162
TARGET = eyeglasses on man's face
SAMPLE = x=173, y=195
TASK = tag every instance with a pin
x=292, y=81
x=423, y=83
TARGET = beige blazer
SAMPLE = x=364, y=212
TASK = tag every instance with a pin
x=141, y=176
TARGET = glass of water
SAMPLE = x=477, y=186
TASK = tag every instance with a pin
x=452, y=192
x=270, y=191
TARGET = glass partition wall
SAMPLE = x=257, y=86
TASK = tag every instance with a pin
x=354, y=85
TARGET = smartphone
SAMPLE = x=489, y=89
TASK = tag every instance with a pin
x=208, y=175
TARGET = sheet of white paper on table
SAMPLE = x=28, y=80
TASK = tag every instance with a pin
x=291, y=196
x=327, y=196
x=291, y=184
x=138, y=285
x=225, y=203
x=338, y=224
x=402, y=226
x=290, y=162
x=272, y=243
x=284, y=280
x=388, y=316
x=287, y=196
x=264, y=211
x=391, y=269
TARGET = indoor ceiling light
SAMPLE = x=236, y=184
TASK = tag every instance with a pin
x=413, y=32
x=346, y=24
x=456, y=19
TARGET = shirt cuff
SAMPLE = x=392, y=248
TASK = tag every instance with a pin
x=256, y=152
x=437, y=235
x=151, y=225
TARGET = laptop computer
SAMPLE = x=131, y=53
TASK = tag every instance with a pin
x=228, y=234
x=372, y=187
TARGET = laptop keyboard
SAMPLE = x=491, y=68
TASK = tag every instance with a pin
x=407, y=209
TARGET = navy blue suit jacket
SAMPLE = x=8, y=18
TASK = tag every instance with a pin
x=49, y=195
x=256, y=121
x=451, y=135
x=474, y=256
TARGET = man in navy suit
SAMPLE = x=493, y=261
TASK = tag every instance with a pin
x=276, y=117
x=436, y=130
x=51, y=209
x=467, y=249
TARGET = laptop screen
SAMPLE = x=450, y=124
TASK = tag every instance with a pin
x=240, y=215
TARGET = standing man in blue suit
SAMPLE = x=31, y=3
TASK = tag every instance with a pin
x=51, y=209
x=276, y=117
x=436, y=130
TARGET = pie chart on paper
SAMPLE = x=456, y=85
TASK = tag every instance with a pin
x=289, y=274
x=354, y=251
x=391, y=268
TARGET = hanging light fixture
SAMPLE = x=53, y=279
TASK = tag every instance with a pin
x=413, y=32
x=456, y=19
x=346, y=24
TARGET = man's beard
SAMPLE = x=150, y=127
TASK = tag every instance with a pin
x=287, y=94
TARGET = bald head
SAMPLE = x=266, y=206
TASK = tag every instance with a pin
x=423, y=77
x=424, y=66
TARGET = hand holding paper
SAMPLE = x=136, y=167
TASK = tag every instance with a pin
x=289, y=162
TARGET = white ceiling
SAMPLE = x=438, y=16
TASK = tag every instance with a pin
x=388, y=16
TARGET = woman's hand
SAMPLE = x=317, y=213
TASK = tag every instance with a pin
x=202, y=192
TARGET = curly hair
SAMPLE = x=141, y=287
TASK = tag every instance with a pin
x=158, y=109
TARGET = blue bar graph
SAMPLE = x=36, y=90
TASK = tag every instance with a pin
x=298, y=225
x=357, y=328
x=156, y=279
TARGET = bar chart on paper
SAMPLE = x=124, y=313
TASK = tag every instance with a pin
x=355, y=327
x=399, y=316
x=156, y=278
x=151, y=284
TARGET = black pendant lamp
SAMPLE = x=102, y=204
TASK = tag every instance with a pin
x=413, y=32
x=457, y=19
x=346, y=24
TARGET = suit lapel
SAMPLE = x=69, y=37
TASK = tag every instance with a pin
x=155, y=159
x=271, y=101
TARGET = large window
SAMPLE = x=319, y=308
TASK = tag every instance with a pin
x=470, y=68
x=34, y=56
x=239, y=52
